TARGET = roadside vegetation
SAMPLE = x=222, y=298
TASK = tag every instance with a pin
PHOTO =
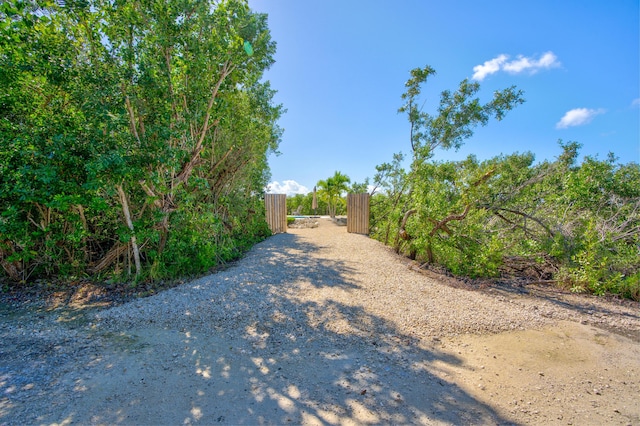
x=330, y=195
x=133, y=137
x=564, y=222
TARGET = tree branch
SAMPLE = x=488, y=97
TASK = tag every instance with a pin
x=519, y=213
x=132, y=117
x=150, y=193
x=442, y=224
x=184, y=174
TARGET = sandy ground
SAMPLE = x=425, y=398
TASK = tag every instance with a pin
x=64, y=366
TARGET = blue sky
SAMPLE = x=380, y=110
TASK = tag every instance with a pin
x=341, y=66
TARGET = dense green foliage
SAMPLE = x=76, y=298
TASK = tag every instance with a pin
x=303, y=203
x=330, y=196
x=575, y=224
x=133, y=136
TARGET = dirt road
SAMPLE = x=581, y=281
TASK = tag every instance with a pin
x=318, y=326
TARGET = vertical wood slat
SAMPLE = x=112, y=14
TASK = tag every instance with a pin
x=358, y=213
x=276, y=211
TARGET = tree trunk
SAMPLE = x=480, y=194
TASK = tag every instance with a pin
x=127, y=217
x=403, y=232
x=85, y=227
x=430, y=257
x=165, y=233
x=13, y=269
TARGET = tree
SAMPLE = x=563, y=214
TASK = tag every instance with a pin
x=132, y=130
x=332, y=190
x=359, y=188
x=458, y=114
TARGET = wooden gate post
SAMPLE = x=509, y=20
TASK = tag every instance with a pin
x=276, y=210
x=358, y=213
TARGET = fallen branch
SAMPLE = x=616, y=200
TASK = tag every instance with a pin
x=442, y=224
x=112, y=255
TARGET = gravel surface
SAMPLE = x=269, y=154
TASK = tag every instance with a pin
x=315, y=326
x=344, y=283
x=349, y=283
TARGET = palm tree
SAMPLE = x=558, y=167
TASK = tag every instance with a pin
x=331, y=190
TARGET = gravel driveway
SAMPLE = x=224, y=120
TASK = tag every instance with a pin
x=318, y=326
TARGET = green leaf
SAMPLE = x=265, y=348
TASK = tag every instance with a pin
x=248, y=48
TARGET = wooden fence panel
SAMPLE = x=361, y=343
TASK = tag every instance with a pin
x=358, y=213
x=276, y=208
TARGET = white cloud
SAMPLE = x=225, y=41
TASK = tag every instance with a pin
x=519, y=65
x=548, y=60
x=289, y=187
x=578, y=117
x=489, y=67
x=635, y=102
